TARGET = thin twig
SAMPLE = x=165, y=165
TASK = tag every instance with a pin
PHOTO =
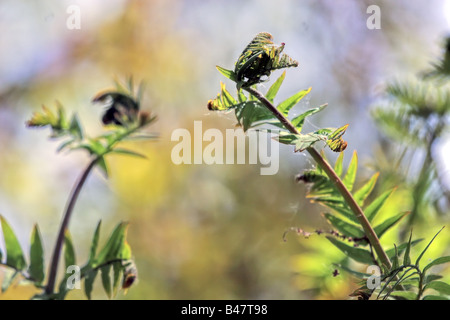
x=49, y=289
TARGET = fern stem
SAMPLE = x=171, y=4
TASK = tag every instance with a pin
x=49, y=289
x=356, y=209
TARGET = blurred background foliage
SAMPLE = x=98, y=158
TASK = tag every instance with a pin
x=199, y=231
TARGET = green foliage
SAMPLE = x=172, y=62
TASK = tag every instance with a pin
x=348, y=210
x=416, y=114
x=115, y=256
x=122, y=117
x=14, y=254
x=116, y=253
x=441, y=68
x=357, y=254
x=409, y=281
x=124, y=120
x=252, y=113
x=36, y=268
x=257, y=60
x=323, y=191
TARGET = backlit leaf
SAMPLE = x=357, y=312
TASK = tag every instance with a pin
x=406, y=257
x=227, y=73
x=350, y=176
x=14, y=253
x=440, y=286
x=374, y=207
x=36, y=268
x=426, y=248
x=338, y=165
x=357, y=254
x=436, y=262
x=389, y=223
x=366, y=189
x=69, y=251
x=348, y=229
x=290, y=102
x=114, y=245
x=106, y=279
x=8, y=279
x=273, y=90
x=299, y=120
x=89, y=282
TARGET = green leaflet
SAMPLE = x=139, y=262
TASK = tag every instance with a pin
x=89, y=282
x=349, y=178
x=125, y=254
x=8, y=279
x=106, y=279
x=227, y=73
x=375, y=206
x=224, y=100
x=406, y=257
x=290, y=102
x=440, y=286
x=117, y=272
x=366, y=189
x=299, y=120
x=241, y=96
x=75, y=127
x=401, y=248
x=65, y=144
x=123, y=117
x=436, y=262
x=287, y=138
x=69, y=250
x=94, y=244
x=48, y=118
x=95, y=147
x=14, y=253
x=101, y=162
x=273, y=90
x=433, y=297
x=36, y=268
x=129, y=153
x=408, y=295
x=347, y=229
x=338, y=164
x=115, y=256
x=306, y=141
x=114, y=245
x=251, y=113
x=58, y=124
x=389, y=223
x=426, y=248
x=431, y=277
x=227, y=97
x=301, y=141
x=395, y=261
x=339, y=206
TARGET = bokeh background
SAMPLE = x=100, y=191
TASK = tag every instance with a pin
x=205, y=231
